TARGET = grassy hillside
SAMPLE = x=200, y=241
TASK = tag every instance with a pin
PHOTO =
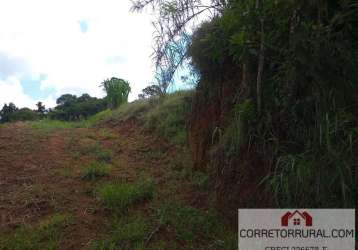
x=121, y=179
x=166, y=117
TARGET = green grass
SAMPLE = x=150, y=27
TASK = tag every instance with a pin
x=120, y=196
x=45, y=235
x=106, y=134
x=136, y=109
x=95, y=170
x=165, y=117
x=127, y=233
x=96, y=119
x=97, y=151
x=195, y=227
x=168, y=118
x=48, y=126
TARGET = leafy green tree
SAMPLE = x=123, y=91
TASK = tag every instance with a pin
x=70, y=107
x=41, y=109
x=117, y=91
x=66, y=99
x=24, y=114
x=173, y=30
x=6, y=112
x=152, y=90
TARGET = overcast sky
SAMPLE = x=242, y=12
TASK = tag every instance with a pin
x=52, y=47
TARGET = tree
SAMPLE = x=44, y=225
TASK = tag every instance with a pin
x=66, y=99
x=6, y=112
x=117, y=91
x=153, y=90
x=173, y=30
x=24, y=114
x=71, y=107
x=40, y=108
x=84, y=98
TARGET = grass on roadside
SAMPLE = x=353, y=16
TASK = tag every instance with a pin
x=45, y=235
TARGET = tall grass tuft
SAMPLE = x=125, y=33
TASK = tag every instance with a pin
x=121, y=195
x=95, y=170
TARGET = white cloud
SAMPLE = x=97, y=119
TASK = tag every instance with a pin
x=11, y=91
x=46, y=35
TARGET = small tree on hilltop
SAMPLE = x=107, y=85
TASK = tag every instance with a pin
x=117, y=91
x=153, y=90
x=40, y=108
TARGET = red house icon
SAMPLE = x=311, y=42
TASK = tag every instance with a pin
x=296, y=217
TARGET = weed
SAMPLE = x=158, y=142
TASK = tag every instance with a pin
x=127, y=233
x=97, y=151
x=46, y=235
x=119, y=196
x=94, y=170
x=193, y=226
x=106, y=134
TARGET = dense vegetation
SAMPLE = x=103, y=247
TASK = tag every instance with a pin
x=70, y=107
x=294, y=108
x=278, y=81
x=273, y=121
x=117, y=91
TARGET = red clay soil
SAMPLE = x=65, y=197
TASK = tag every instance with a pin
x=40, y=175
x=31, y=188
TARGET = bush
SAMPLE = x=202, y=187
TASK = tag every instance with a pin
x=24, y=114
